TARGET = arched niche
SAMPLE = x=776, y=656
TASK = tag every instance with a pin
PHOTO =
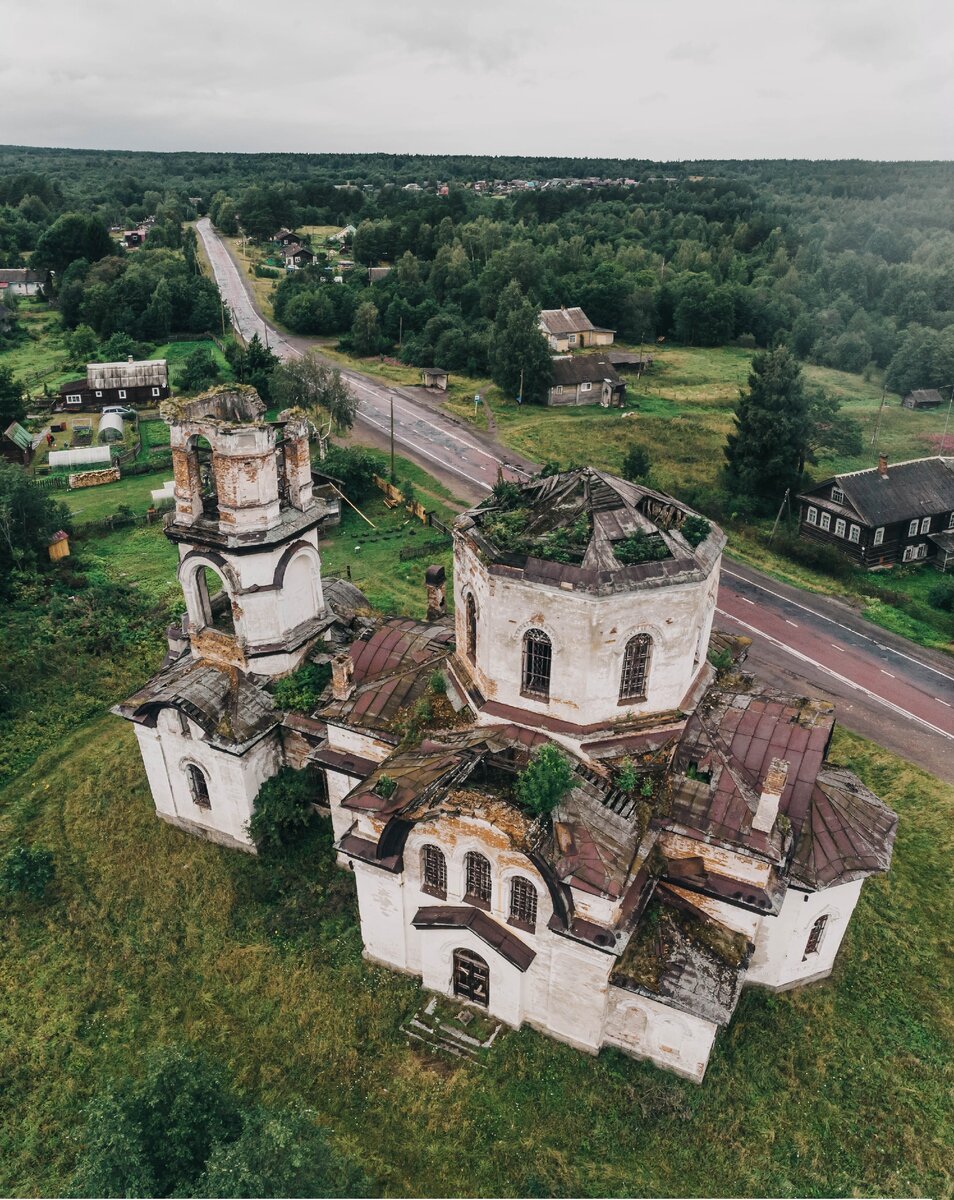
x=208, y=588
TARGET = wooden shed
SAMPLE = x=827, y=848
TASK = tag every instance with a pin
x=923, y=398
x=59, y=545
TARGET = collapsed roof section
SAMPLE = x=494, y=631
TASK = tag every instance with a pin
x=595, y=531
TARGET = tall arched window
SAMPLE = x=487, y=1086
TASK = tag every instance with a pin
x=537, y=663
x=471, y=648
x=523, y=902
x=198, y=786
x=814, y=942
x=635, y=675
x=434, y=870
x=477, y=870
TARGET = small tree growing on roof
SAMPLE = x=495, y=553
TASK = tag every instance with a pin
x=545, y=780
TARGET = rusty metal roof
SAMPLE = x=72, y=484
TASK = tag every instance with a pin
x=849, y=832
x=446, y=916
x=231, y=710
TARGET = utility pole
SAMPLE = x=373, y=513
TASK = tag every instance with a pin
x=391, y=398
x=400, y=331
x=947, y=420
x=520, y=397
x=778, y=515
x=877, y=432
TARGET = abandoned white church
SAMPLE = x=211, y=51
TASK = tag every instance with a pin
x=705, y=842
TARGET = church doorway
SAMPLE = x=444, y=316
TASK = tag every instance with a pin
x=471, y=977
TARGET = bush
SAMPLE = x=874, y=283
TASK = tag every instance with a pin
x=385, y=787
x=545, y=780
x=640, y=548
x=354, y=467
x=941, y=595
x=283, y=808
x=27, y=870
x=626, y=778
x=301, y=691
x=695, y=529
x=637, y=464
x=815, y=555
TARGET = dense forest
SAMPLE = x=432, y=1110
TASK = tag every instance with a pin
x=848, y=263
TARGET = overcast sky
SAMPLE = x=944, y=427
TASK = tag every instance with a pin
x=669, y=79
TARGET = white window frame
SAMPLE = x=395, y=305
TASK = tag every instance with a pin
x=825, y=521
x=840, y=527
x=155, y=391
x=926, y=525
x=122, y=393
x=571, y=339
x=915, y=552
x=586, y=387
x=922, y=550
x=878, y=536
x=854, y=533
x=950, y=521
x=812, y=515
x=99, y=394
x=74, y=399
x=913, y=528
x=559, y=389
x=837, y=495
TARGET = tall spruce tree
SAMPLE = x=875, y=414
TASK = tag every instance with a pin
x=519, y=349
x=765, y=454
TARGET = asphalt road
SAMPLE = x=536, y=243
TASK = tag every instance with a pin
x=884, y=686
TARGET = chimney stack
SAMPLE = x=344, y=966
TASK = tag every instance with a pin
x=436, y=593
x=342, y=676
x=772, y=788
x=883, y=466
x=129, y=358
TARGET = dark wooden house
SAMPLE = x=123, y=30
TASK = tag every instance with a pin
x=586, y=379
x=127, y=383
x=923, y=398
x=884, y=515
x=16, y=445
x=288, y=237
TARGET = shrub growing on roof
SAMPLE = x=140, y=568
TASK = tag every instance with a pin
x=545, y=780
x=283, y=808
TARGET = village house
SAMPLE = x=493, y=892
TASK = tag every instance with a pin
x=18, y=281
x=16, y=444
x=701, y=841
x=585, y=379
x=298, y=256
x=923, y=398
x=144, y=382
x=571, y=329
x=377, y=274
x=885, y=515
x=288, y=237
x=134, y=238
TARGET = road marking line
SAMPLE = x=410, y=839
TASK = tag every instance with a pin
x=944, y=702
x=831, y=620
x=792, y=623
x=747, y=600
x=840, y=649
x=896, y=708
x=888, y=673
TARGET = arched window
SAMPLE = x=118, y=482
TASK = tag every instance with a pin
x=477, y=870
x=471, y=977
x=814, y=942
x=471, y=646
x=523, y=902
x=537, y=661
x=198, y=786
x=635, y=674
x=434, y=871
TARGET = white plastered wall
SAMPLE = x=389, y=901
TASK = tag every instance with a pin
x=780, y=960
x=673, y=1040
x=589, y=635
x=233, y=781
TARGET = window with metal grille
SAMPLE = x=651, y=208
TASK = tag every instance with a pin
x=478, y=877
x=815, y=936
x=632, y=684
x=471, y=628
x=537, y=662
x=471, y=977
x=434, y=870
x=198, y=786
x=523, y=902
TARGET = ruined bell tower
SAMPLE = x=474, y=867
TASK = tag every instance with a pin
x=246, y=526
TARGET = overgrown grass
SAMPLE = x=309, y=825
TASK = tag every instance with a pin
x=151, y=937
x=92, y=504
x=177, y=352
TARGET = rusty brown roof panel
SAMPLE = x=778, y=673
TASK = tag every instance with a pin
x=446, y=916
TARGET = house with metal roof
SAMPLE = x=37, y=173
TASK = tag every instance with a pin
x=585, y=379
x=16, y=445
x=698, y=841
x=571, y=329
x=887, y=514
x=20, y=281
